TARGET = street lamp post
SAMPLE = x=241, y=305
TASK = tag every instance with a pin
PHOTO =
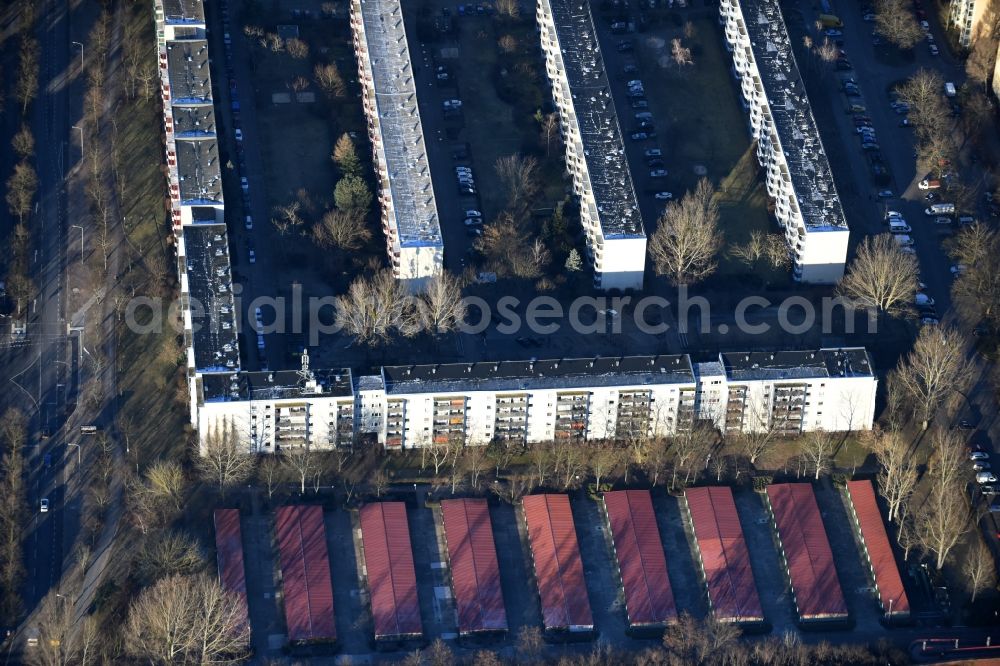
x=78, y=459
x=80, y=130
x=81, y=54
x=77, y=226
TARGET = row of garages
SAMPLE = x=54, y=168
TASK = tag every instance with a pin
x=386, y=562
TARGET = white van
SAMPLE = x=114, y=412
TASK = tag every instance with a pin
x=940, y=209
x=898, y=226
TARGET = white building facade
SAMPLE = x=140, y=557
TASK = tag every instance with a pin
x=523, y=402
x=389, y=94
x=595, y=152
x=798, y=174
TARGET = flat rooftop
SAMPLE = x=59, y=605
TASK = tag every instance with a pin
x=604, y=150
x=280, y=384
x=187, y=68
x=746, y=366
x=796, y=128
x=199, y=170
x=210, y=284
x=194, y=121
x=409, y=173
x=526, y=375
x=183, y=11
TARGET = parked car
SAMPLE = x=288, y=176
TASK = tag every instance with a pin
x=958, y=269
x=248, y=223
x=473, y=221
x=988, y=491
x=923, y=299
x=625, y=46
x=655, y=163
x=929, y=184
x=43, y=505
x=658, y=173
x=244, y=184
x=979, y=455
x=903, y=239
x=980, y=466
x=886, y=194
x=642, y=136
x=473, y=213
x=253, y=256
x=933, y=49
x=640, y=104
x=473, y=232
x=239, y=134
x=653, y=152
x=664, y=196
x=986, y=477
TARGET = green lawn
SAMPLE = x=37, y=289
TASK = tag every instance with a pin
x=701, y=122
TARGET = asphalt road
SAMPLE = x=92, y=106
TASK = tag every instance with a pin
x=38, y=373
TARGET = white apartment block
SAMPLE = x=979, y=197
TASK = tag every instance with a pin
x=195, y=183
x=595, y=153
x=971, y=19
x=389, y=92
x=178, y=19
x=522, y=402
x=789, y=148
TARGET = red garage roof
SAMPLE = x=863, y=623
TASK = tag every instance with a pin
x=558, y=567
x=475, y=574
x=643, y=568
x=807, y=553
x=229, y=552
x=305, y=574
x=725, y=560
x=392, y=580
x=877, y=546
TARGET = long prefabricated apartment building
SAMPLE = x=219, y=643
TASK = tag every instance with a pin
x=406, y=193
x=595, y=152
x=789, y=148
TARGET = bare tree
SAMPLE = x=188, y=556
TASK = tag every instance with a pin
x=187, y=619
x=977, y=289
x=881, y=276
x=26, y=85
x=520, y=178
x=510, y=9
x=687, y=237
x=288, y=218
x=269, y=472
x=604, y=460
x=680, y=54
x=24, y=142
x=169, y=553
x=943, y=517
x=978, y=568
x=656, y=459
x=549, y=123
x=933, y=371
x=440, y=308
x=982, y=59
x=342, y=229
x=762, y=248
x=691, y=449
x=301, y=463
x=827, y=52
x=165, y=481
x=223, y=461
x=508, y=43
x=690, y=641
x=530, y=644
x=897, y=475
x=374, y=307
x=817, y=449
x=924, y=93
x=509, y=251
x=329, y=80
x=21, y=188
x=895, y=21
x=297, y=48
x=60, y=641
